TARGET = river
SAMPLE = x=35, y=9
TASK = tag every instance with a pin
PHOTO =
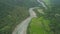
x=22, y=27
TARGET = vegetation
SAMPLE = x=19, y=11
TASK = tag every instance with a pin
x=10, y=16
x=39, y=11
x=25, y=3
x=52, y=14
x=39, y=26
x=51, y=18
x=12, y=12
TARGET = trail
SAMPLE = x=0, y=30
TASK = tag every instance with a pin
x=22, y=27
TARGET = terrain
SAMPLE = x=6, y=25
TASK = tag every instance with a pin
x=16, y=17
x=12, y=13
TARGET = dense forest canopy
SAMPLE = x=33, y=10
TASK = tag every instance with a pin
x=27, y=3
x=53, y=14
x=55, y=2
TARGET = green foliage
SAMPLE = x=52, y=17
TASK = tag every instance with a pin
x=39, y=26
x=39, y=11
x=25, y=3
x=10, y=16
x=12, y=12
x=53, y=14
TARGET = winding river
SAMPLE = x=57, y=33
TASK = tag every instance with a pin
x=22, y=27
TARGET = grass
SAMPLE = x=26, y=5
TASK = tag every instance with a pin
x=39, y=26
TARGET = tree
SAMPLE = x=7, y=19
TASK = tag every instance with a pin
x=53, y=14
